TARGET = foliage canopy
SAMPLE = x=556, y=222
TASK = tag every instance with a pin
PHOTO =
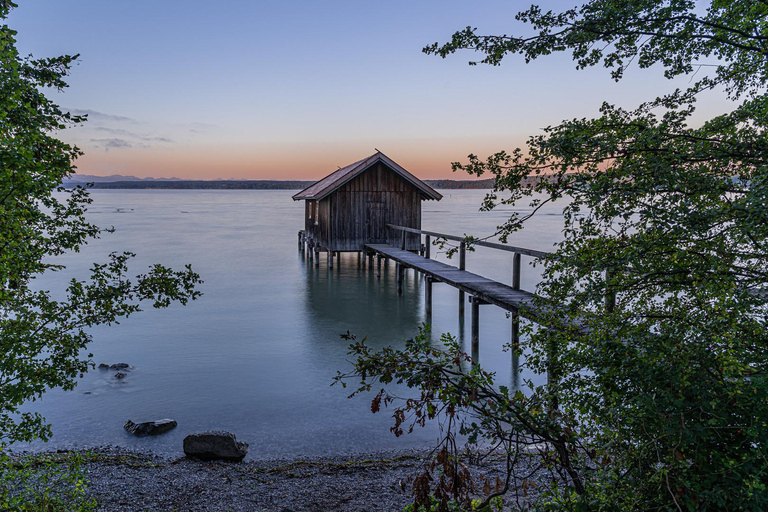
x=41, y=337
x=663, y=404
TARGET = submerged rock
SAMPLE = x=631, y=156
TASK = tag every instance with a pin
x=150, y=428
x=118, y=366
x=119, y=375
x=215, y=445
x=103, y=366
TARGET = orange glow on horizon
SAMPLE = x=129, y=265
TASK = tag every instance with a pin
x=427, y=159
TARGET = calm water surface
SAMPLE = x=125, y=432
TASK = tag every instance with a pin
x=257, y=353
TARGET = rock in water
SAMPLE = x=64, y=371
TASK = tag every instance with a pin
x=215, y=445
x=119, y=375
x=150, y=428
x=119, y=366
x=103, y=366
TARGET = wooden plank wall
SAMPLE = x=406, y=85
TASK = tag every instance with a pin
x=358, y=212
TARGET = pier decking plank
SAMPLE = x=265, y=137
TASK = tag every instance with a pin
x=499, y=294
x=487, y=290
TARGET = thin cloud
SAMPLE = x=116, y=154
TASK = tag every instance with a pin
x=201, y=127
x=131, y=135
x=108, y=144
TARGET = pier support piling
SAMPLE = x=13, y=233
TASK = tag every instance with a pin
x=476, y=303
x=330, y=259
x=515, y=338
x=378, y=265
x=428, y=296
x=462, y=266
x=475, y=325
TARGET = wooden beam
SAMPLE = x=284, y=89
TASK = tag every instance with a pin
x=462, y=265
x=516, y=271
x=428, y=296
x=515, y=331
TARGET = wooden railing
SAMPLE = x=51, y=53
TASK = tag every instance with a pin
x=516, y=261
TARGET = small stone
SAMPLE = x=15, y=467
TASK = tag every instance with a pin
x=119, y=366
x=119, y=375
x=150, y=428
x=103, y=366
x=215, y=445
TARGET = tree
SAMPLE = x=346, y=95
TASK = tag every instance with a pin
x=42, y=337
x=662, y=403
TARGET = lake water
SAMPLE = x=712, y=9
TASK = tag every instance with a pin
x=257, y=353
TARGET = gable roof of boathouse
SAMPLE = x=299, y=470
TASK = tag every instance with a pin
x=337, y=179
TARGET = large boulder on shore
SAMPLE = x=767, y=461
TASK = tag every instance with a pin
x=215, y=445
x=150, y=428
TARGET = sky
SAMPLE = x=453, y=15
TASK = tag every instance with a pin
x=289, y=89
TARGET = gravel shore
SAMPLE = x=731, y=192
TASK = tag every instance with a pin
x=124, y=480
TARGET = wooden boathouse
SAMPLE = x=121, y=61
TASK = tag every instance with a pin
x=351, y=207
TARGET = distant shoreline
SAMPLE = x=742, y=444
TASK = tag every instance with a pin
x=250, y=184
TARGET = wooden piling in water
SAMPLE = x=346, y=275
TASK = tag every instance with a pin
x=378, y=265
x=515, y=335
x=462, y=266
x=428, y=295
x=475, y=327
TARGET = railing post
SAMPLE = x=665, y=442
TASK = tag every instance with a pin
x=516, y=271
x=462, y=265
x=427, y=245
x=403, y=240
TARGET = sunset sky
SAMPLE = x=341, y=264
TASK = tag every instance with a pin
x=288, y=89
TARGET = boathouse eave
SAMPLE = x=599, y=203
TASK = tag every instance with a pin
x=337, y=179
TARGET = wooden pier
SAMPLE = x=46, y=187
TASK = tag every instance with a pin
x=480, y=290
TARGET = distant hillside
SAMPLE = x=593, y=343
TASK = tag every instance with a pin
x=131, y=182
x=87, y=178
x=200, y=184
